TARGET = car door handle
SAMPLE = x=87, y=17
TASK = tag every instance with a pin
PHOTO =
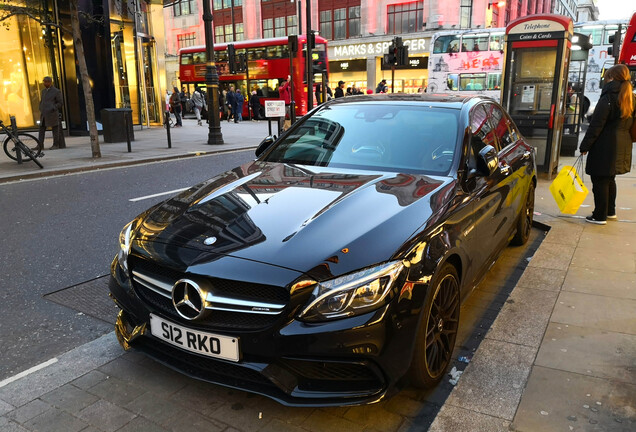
x=526, y=155
x=505, y=169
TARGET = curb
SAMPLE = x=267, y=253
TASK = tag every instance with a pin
x=105, y=165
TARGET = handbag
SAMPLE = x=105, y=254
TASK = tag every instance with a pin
x=568, y=189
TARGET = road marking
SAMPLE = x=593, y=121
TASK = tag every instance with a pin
x=27, y=372
x=158, y=194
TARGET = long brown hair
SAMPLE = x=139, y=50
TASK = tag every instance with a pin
x=621, y=74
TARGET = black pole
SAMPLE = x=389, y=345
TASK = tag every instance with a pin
x=292, y=106
x=166, y=121
x=127, y=126
x=300, y=17
x=211, y=79
x=393, y=78
x=14, y=129
x=310, y=75
x=233, y=25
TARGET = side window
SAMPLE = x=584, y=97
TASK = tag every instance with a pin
x=503, y=128
x=481, y=134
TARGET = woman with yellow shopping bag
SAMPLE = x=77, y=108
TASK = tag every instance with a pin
x=608, y=142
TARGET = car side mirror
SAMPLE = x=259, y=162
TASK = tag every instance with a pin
x=264, y=145
x=487, y=161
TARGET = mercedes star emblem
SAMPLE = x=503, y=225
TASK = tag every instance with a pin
x=188, y=299
x=209, y=241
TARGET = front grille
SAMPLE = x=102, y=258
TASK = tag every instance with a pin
x=201, y=367
x=329, y=370
x=159, y=300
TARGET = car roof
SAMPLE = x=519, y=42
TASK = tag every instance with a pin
x=457, y=101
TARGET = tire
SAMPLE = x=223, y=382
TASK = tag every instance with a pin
x=437, y=330
x=526, y=216
x=28, y=140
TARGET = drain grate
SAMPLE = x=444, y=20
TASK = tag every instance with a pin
x=91, y=298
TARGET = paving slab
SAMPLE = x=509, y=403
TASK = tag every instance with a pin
x=493, y=381
x=29, y=411
x=553, y=256
x=55, y=420
x=451, y=418
x=589, y=351
x=603, y=282
x=524, y=317
x=542, y=278
x=603, y=242
x=556, y=400
x=565, y=232
x=106, y=416
x=69, y=366
x=603, y=258
x=600, y=312
x=69, y=398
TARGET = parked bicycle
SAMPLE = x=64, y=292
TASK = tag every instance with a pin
x=21, y=145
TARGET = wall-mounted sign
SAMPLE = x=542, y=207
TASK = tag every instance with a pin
x=413, y=63
x=375, y=48
x=348, y=66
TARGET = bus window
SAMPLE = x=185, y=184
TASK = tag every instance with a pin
x=494, y=81
x=451, y=82
x=472, y=81
x=496, y=42
x=595, y=33
x=447, y=43
x=475, y=43
x=256, y=53
x=186, y=59
x=610, y=30
x=199, y=58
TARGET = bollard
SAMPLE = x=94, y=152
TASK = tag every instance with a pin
x=14, y=129
x=166, y=121
x=127, y=132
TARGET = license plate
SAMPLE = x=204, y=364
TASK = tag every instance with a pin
x=207, y=344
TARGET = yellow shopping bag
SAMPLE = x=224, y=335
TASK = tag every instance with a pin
x=568, y=190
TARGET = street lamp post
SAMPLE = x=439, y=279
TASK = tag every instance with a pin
x=211, y=79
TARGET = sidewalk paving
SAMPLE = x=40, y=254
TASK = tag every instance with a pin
x=561, y=355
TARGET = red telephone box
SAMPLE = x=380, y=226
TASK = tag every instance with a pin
x=534, y=85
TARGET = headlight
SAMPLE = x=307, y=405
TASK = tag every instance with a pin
x=125, y=241
x=352, y=294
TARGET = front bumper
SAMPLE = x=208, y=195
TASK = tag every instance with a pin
x=345, y=362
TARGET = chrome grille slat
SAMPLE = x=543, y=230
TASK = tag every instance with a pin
x=216, y=302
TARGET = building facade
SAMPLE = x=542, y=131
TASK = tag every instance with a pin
x=124, y=59
x=359, y=32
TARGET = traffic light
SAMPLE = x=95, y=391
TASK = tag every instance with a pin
x=391, y=58
x=403, y=56
x=615, y=40
x=311, y=39
x=241, y=63
x=231, y=58
x=292, y=41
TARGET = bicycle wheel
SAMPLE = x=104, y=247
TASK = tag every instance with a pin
x=31, y=142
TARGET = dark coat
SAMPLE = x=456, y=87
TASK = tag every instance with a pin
x=607, y=140
x=50, y=105
x=339, y=93
x=231, y=100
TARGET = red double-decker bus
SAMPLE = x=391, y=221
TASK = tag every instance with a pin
x=627, y=54
x=267, y=63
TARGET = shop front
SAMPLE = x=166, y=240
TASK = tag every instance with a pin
x=360, y=64
x=122, y=59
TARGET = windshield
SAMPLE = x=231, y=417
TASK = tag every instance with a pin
x=387, y=137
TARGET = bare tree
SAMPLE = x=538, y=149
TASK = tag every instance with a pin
x=33, y=10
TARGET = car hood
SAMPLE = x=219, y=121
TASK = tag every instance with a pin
x=319, y=221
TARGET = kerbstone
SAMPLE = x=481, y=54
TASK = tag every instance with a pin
x=493, y=382
x=524, y=317
x=451, y=418
x=553, y=256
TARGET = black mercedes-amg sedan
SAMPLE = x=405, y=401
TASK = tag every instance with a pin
x=330, y=270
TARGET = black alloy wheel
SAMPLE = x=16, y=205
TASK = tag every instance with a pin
x=438, y=329
x=524, y=223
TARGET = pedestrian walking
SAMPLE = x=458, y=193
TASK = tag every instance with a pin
x=608, y=143
x=183, y=97
x=239, y=106
x=231, y=104
x=50, y=106
x=284, y=93
x=175, y=104
x=255, y=105
x=382, y=87
x=339, y=90
x=198, y=104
